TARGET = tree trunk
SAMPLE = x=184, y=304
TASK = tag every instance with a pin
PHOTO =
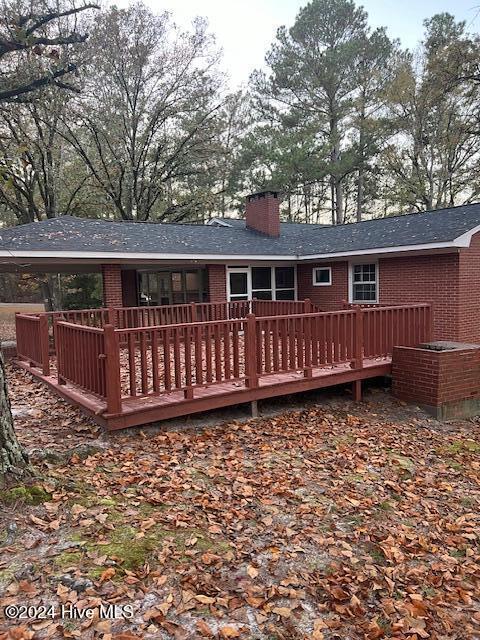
x=360, y=190
x=14, y=461
x=339, y=201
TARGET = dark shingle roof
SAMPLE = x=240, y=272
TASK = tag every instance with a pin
x=86, y=235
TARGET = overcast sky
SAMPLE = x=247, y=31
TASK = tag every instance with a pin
x=245, y=28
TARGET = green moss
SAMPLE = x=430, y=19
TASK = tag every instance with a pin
x=131, y=552
x=385, y=506
x=460, y=447
x=28, y=494
x=405, y=463
x=6, y=576
x=68, y=558
x=456, y=466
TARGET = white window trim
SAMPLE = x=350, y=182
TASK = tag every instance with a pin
x=248, y=270
x=351, y=265
x=321, y=284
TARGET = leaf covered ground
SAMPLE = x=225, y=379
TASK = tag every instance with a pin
x=337, y=521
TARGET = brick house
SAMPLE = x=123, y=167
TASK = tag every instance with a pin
x=431, y=257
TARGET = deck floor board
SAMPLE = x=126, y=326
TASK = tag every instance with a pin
x=155, y=407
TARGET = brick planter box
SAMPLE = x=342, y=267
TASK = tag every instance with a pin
x=8, y=349
x=446, y=383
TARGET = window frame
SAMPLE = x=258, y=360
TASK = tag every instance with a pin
x=321, y=284
x=351, y=283
x=274, y=289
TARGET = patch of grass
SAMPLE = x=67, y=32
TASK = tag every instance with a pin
x=457, y=553
x=131, y=552
x=68, y=558
x=460, y=447
x=385, y=506
x=343, y=440
x=405, y=463
x=31, y=495
x=453, y=464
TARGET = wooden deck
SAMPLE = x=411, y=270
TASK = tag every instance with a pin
x=126, y=375
x=153, y=408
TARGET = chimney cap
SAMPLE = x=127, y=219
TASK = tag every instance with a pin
x=259, y=195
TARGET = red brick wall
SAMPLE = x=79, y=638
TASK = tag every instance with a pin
x=327, y=298
x=470, y=292
x=112, y=285
x=435, y=377
x=263, y=213
x=433, y=279
x=217, y=283
x=403, y=280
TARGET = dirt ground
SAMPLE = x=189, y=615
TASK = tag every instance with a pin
x=323, y=519
x=7, y=317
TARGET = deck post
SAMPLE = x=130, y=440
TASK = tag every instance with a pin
x=430, y=323
x=58, y=351
x=308, y=305
x=193, y=311
x=357, y=390
x=44, y=344
x=112, y=316
x=358, y=362
x=251, y=351
x=254, y=408
x=112, y=369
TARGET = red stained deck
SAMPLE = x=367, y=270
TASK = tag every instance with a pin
x=125, y=376
x=153, y=408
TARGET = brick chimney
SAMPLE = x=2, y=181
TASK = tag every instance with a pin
x=263, y=213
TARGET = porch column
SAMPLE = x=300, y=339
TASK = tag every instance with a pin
x=112, y=285
x=217, y=282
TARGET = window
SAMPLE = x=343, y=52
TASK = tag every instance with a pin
x=284, y=283
x=322, y=276
x=261, y=283
x=172, y=287
x=261, y=278
x=364, y=283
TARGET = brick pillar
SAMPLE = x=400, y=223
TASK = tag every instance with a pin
x=217, y=283
x=112, y=285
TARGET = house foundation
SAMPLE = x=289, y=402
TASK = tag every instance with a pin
x=443, y=378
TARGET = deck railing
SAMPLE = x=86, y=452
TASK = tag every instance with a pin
x=32, y=340
x=116, y=364
x=135, y=317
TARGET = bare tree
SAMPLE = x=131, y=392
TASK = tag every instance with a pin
x=33, y=55
x=147, y=121
x=32, y=47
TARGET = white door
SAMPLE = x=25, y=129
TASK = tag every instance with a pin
x=239, y=284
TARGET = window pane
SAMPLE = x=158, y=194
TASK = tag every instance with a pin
x=364, y=273
x=284, y=277
x=261, y=278
x=238, y=283
x=322, y=276
x=191, y=280
x=262, y=295
x=176, y=282
x=286, y=294
x=364, y=292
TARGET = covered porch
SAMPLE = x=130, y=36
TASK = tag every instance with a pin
x=128, y=366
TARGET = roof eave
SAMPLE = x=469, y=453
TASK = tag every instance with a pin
x=462, y=241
